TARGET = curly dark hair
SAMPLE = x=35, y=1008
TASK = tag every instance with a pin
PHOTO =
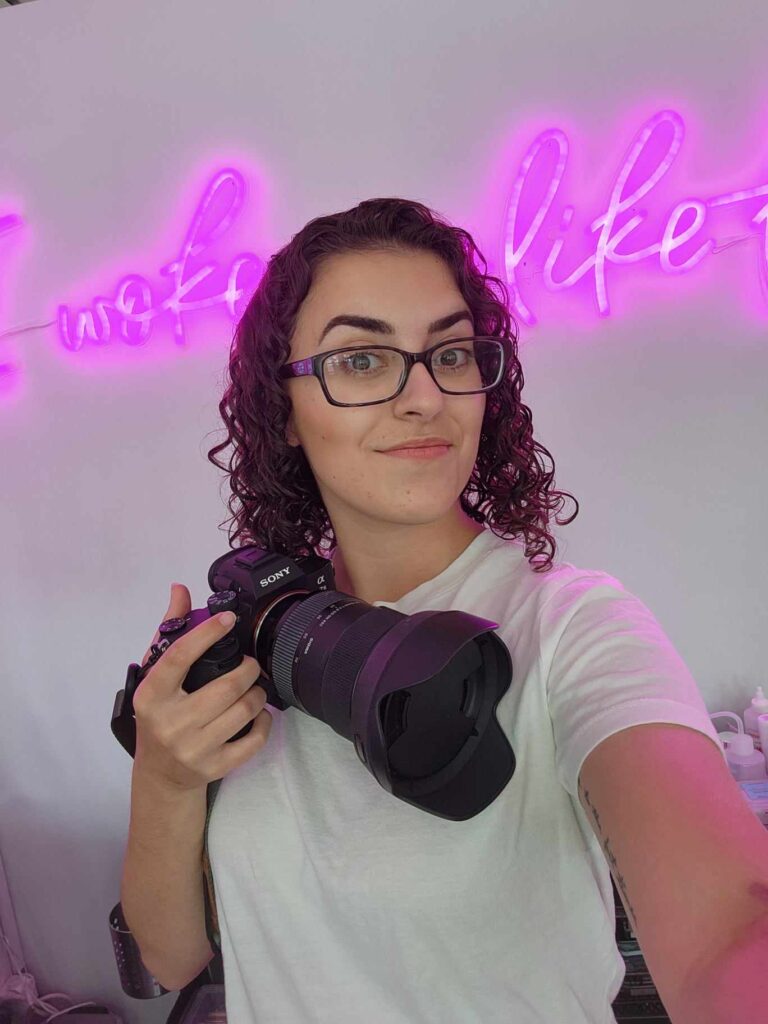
x=275, y=501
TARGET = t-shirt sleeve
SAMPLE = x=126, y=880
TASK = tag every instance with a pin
x=610, y=666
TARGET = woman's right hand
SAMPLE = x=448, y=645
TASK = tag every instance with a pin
x=181, y=738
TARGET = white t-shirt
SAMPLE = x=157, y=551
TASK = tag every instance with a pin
x=338, y=902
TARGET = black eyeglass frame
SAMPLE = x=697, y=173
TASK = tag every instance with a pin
x=312, y=367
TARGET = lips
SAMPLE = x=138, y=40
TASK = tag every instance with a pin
x=416, y=447
x=427, y=442
x=421, y=454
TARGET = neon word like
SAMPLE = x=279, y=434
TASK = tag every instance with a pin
x=609, y=237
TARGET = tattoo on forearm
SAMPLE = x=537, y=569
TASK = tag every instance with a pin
x=617, y=876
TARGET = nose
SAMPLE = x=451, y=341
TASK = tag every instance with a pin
x=423, y=375
x=420, y=389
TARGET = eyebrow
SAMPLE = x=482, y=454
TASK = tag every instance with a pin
x=367, y=323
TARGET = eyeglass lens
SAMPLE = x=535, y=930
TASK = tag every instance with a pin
x=374, y=374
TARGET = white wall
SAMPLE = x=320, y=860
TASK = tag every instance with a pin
x=111, y=115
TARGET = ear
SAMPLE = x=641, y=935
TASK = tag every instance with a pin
x=290, y=433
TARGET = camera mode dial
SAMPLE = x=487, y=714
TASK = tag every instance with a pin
x=171, y=626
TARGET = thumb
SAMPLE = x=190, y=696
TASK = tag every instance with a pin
x=180, y=605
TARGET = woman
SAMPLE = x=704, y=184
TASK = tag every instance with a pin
x=336, y=901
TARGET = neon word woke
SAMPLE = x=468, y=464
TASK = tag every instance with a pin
x=610, y=236
x=134, y=305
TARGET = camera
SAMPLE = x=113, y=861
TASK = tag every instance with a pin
x=416, y=695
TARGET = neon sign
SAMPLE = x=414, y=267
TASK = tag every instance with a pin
x=135, y=303
x=8, y=223
x=135, y=307
x=621, y=200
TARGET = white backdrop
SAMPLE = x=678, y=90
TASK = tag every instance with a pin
x=112, y=117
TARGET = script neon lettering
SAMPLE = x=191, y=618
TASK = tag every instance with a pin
x=8, y=222
x=134, y=305
x=609, y=236
x=132, y=311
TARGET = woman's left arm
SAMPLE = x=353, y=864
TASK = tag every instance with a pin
x=690, y=862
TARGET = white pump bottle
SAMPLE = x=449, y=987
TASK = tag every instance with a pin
x=759, y=706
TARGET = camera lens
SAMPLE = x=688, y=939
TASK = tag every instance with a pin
x=416, y=695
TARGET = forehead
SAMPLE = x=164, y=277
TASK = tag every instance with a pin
x=381, y=281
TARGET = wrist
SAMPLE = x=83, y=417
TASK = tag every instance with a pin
x=146, y=780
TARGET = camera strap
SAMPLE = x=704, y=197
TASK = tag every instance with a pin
x=211, y=916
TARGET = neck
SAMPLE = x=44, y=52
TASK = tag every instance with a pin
x=386, y=567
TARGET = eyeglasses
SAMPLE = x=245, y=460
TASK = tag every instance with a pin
x=372, y=374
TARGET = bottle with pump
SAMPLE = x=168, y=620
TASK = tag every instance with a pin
x=751, y=777
x=744, y=762
x=759, y=706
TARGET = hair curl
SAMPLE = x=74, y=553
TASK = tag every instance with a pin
x=275, y=501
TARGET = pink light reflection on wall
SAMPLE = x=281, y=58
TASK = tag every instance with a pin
x=135, y=308
x=650, y=157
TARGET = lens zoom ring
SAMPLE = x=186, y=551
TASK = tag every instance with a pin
x=288, y=639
